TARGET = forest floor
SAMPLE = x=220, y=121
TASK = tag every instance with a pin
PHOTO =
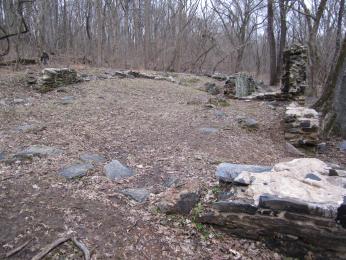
x=151, y=126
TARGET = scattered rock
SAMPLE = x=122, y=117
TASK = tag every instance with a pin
x=28, y=128
x=219, y=113
x=92, y=158
x=292, y=150
x=249, y=123
x=212, y=89
x=227, y=172
x=67, y=100
x=116, y=171
x=139, y=195
x=342, y=146
x=208, y=130
x=172, y=181
x=321, y=147
x=218, y=101
x=37, y=150
x=18, y=101
x=75, y=170
x=180, y=200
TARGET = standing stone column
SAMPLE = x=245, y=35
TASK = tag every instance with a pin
x=294, y=80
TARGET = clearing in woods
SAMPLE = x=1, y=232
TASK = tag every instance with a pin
x=154, y=127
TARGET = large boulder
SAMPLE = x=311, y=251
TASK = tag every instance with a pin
x=296, y=207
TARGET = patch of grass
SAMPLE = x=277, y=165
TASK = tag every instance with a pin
x=216, y=189
x=201, y=228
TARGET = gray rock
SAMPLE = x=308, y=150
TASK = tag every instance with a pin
x=139, y=195
x=247, y=122
x=26, y=128
x=67, y=100
x=208, y=130
x=227, y=172
x=219, y=113
x=322, y=147
x=172, y=181
x=312, y=176
x=37, y=150
x=2, y=156
x=180, y=200
x=75, y=170
x=92, y=158
x=212, y=89
x=342, y=146
x=18, y=101
x=292, y=150
x=116, y=171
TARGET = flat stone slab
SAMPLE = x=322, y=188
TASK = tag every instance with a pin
x=37, y=150
x=139, y=195
x=92, y=158
x=208, y=130
x=227, y=172
x=116, y=171
x=76, y=170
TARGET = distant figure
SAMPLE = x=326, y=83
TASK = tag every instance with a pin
x=44, y=58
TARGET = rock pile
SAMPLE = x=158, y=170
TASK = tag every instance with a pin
x=240, y=85
x=302, y=126
x=53, y=78
x=296, y=207
x=295, y=67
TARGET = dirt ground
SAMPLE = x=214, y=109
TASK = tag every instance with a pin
x=151, y=126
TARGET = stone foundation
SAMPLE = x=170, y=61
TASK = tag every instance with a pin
x=301, y=126
x=53, y=78
x=296, y=207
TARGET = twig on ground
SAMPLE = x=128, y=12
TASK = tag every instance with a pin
x=50, y=247
x=58, y=242
x=17, y=249
x=130, y=228
x=83, y=248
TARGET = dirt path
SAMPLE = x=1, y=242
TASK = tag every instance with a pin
x=148, y=125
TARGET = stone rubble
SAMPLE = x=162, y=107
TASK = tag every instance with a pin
x=53, y=78
x=302, y=126
x=296, y=207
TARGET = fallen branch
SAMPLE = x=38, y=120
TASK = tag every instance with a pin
x=58, y=242
x=50, y=247
x=83, y=248
x=17, y=249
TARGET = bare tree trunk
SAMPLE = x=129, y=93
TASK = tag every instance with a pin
x=147, y=33
x=332, y=103
x=283, y=35
x=272, y=45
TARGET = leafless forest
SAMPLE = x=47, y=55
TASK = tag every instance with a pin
x=176, y=35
